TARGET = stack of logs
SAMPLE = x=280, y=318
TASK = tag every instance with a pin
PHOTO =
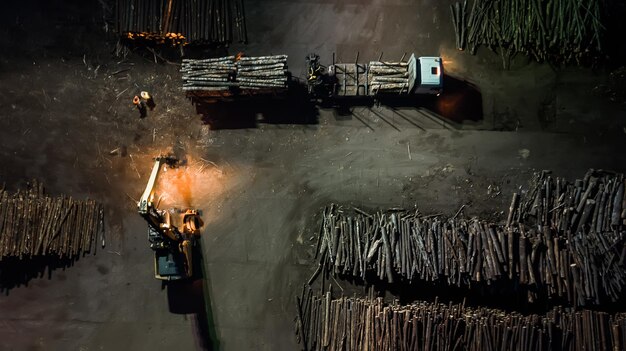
x=388, y=77
x=182, y=21
x=228, y=75
x=561, y=240
x=555, y=30
x=213, y=74
x=262, y=72
x=369, y=324
x=33, y=224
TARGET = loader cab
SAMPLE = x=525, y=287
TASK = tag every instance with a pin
x=430, y=76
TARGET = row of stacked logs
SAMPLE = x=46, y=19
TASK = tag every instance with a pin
x=368, y=324
x=213, y=74
x=181, y=21
x=561, y=240
x=231, y=74
x=554, y=30
x=388, y=77
x=34, y=224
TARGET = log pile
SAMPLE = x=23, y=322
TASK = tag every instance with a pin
x=368, y=324
x=388, y=77
x=181, y=21
x=589, y=216
x=213, y=74
x=33, y=224
x=560, y=241
x=262, y=72
x=560, y=31
x=227, y=75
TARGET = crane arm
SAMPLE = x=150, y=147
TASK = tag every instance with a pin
x=145, y=202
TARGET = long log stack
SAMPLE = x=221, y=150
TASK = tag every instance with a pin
x=560, y=241
x=230, y=75
x=262, y=72
x=213, y=74
x=368, y=324
x=182, y=21
x=33, y=224
x=560, y=31
x=388, y=77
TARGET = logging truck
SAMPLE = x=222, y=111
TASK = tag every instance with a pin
x=422, y=75
x=267, y=75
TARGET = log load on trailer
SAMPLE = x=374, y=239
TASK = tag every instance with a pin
x=234, y=75
x=422, y=75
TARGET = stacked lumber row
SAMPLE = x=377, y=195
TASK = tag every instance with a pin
x=388, y=77
x=595, y=203
x=554, y=30
x=225, y=73
x=33, y=224
x=590, y=215
x=214, y=74
x=181, y=21
x=262, y=72
x=542, y=260
x=368, y=324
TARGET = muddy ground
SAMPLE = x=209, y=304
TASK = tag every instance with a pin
x=261, y=171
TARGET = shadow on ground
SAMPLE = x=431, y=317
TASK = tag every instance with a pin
x=192, y=297
x=290, y=107
x=460, y=102
x=506, y=295
x=15, y=272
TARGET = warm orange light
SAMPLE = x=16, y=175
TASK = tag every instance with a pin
x=173, y=38
x=197, y=185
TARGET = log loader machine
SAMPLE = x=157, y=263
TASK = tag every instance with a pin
x=172, y=233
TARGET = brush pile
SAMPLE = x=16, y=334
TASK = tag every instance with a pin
x=33, y=224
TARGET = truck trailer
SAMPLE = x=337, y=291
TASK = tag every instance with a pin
x=423, y=75
x=233, y=76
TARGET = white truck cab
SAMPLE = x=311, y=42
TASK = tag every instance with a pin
x=430, y=76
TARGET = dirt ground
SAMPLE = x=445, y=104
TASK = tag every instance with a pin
x=261, y=172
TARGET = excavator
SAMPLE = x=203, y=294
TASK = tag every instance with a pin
x=172, y=233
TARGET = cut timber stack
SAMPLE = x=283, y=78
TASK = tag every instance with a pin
x=213, y=74
x=262, y=72
x=33, y=224
x=388, y=77
x=560, y=241
x=181, y=21
x=559, y=31
x=226, y=76
x=368, y=324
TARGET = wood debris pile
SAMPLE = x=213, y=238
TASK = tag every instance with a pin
x=33, y=224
